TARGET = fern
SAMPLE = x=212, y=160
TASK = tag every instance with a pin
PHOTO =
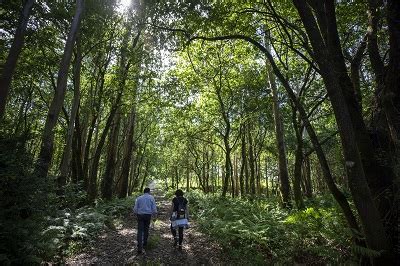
x=261, y=231
x=365, y=252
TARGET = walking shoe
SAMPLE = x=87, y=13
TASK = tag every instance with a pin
x=175, y=241
x=180, y=247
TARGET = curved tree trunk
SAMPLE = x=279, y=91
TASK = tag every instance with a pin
x=12, y=58
x=327, y=59
x=46, y=149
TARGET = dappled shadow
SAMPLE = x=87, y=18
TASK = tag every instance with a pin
x=119, y=245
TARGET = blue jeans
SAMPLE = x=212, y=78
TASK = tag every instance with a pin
x=143, y=230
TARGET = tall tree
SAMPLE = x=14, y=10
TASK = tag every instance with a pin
x=65, y=161
x=46, y=149
x=112, y=157
x=321, y=29
x=280, y=138
x=12, y=58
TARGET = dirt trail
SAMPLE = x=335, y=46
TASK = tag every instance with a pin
x=119, y=245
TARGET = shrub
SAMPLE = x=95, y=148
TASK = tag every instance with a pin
x=258, y=232
x=35, y=224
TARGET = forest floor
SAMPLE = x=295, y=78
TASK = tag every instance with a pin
x=118, y=245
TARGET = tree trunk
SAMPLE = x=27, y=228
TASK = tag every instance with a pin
x=46, y=150
x=244, y=176
x=266, y=177
x=208, y=173
x=258, y=174
x=12, y=58
x=176, y=177
x=251, y=160
x=145, y=174
x=280, y=135
x=391, y=95
x=236, y=170
x=77, y=167
x=298, y=161
x=128, y=150
x=132, y=173
x=307, y=177
x=109, y=173
x=188, y=175
x=369, y=216
x=92, y=184
x=65, y=162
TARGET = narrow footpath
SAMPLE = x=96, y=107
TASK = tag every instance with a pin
x=119, y=245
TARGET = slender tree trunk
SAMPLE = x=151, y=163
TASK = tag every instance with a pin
x=228, y=167
x=243, y=163
x=228, y=161
x=132, y=174
x=251, y=160
x=233, y=189
x=86, y=153
x=298, y=161
x=280, y=135
x=266, y=177
x=13, y=55
x=237, y=182
x=77, y=173
x=202, y=177
x=172, y=179
x=188, y=175
x=127, y=158
x=46, y=150
x=109, y=173
x=145, y=174
x=208, y=173
x=65, y=162
x=92, y=184
x=258, y=174
x=307, y=177
x=176, y=177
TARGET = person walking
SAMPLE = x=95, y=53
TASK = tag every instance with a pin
x=179, y=217
x=145, y=208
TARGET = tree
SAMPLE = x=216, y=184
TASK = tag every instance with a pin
x=280, y=139
x=46, y=150
x=322, y=31
x=12, y=58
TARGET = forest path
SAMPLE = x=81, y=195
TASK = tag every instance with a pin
x=119, y=245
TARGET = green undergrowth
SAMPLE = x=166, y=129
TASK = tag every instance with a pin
x=54, y=234
x=70, y=232
x=36, y=224
x=258, y=231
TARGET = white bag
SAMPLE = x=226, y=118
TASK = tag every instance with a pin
x=180, y=223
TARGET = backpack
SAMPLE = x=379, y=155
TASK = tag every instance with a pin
x=181, y=210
